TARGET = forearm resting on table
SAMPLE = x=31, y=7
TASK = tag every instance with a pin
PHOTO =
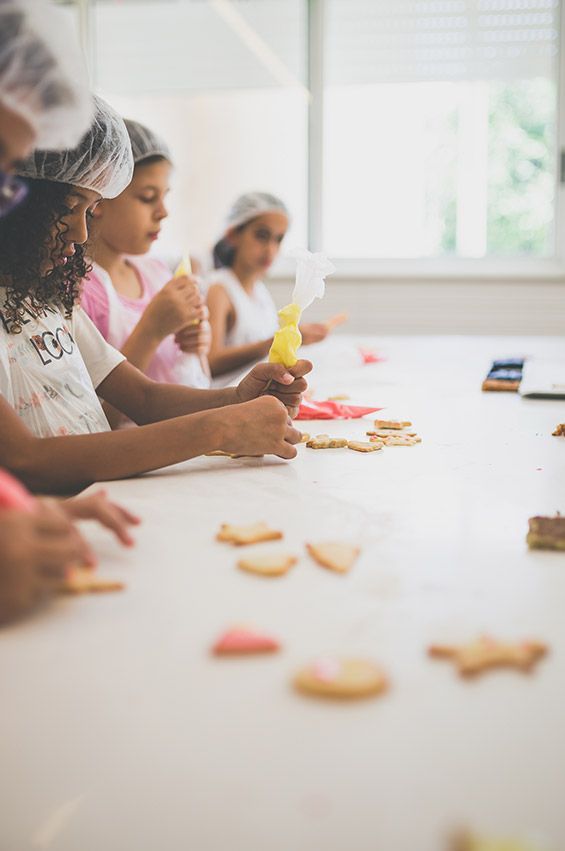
x=226, y=359
x=63, y=464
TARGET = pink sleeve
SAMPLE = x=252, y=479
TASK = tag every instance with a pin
x=94, y=302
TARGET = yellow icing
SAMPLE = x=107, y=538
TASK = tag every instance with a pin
x=287, y=339
x=498, y=845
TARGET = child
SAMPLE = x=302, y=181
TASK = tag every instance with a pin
x=44, y=97
x=39, y=542
x=159, y=324
x=54, y=362
x=243, y=315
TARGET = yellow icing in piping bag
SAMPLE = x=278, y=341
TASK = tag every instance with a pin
x=310, y=284
x=184, y=267
x=287, y=339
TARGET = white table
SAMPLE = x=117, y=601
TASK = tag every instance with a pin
x=120, y=732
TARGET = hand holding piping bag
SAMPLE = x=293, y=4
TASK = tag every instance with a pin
x=185, y=268
x=310, y=283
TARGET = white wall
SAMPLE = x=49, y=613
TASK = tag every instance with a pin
x=440, y=307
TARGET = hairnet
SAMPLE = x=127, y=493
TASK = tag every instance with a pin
x=42, y=73
x=251, y=205
x=244, y=210
x=145, y=143
x=102, y=161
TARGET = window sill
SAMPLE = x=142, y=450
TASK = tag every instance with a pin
x=448, y=270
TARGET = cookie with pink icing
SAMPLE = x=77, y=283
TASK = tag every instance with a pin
x=334, y=677
x=240, y=640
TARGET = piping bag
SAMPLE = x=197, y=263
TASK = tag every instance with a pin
x=185, y=268
x=311, y=271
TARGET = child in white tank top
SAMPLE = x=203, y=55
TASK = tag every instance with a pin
x=243, y=315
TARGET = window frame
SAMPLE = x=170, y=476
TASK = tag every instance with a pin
x=512, y=268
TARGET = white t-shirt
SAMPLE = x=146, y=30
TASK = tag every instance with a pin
x=49, y=372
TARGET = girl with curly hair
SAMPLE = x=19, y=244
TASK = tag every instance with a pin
x=55, y=366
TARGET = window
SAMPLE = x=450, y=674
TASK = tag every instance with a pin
x=440, y=127
x=434, y=124
x=224, y=84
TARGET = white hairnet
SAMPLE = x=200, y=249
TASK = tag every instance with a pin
x=42, y=73
x=145, y=143
x=102, y=161
x=251, y=205
x=244, y=210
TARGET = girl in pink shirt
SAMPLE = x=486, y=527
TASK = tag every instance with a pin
x=159, y=323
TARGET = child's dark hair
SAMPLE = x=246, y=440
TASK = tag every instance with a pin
x=24, y=236
x=223, y=253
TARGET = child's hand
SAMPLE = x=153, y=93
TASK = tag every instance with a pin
x=196, y=339
x=260, y=427
x=287, y=385
x=36, y=550
x=313, y=332
x=176, y=305
x=97, y=506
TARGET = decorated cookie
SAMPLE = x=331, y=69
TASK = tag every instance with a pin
x=364, y=446
x=241, y=640
x=241, y=535
x=324, y=441
x=400, y=440
x=341, y=678
x=82, y=580
x=485, y=653
x=334, y=554
x=394, y=424
x=268, y=565
x=381, y=433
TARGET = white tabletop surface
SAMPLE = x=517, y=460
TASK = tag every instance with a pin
x=120, y=732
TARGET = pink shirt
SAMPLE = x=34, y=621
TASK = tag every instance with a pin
x=116, y=316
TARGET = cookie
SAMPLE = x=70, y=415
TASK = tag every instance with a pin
x=395, y=424
x=500, y=385
x=242, y=535
x=240, y=640
x=334, y=554
x=559, y=430
x=324, y=441
x=268, y=565
x=400, y=440
x=546, y=533
x=347, y=679
x=83, y=580
x=485, y=653
x=363, y=446
x=304, y=437
x=387, y=432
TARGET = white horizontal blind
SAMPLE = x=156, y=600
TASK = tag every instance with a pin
x=375, y=41
x=168, y=46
